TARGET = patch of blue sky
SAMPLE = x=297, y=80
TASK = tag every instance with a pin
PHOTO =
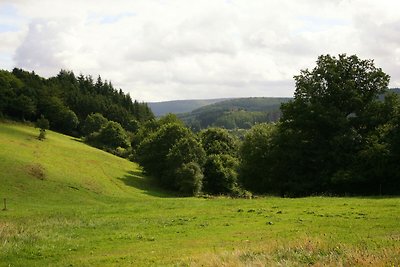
x=317, y=24
x=8, y=10
x=8, y=28
x=8, y=18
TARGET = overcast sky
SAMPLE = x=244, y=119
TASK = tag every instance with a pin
x=185, y=49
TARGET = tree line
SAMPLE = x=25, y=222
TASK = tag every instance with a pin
x=71, y=104
x=339, y=135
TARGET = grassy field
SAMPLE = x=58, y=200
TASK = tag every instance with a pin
x=73, y=205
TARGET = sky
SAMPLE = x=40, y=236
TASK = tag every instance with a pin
x=160, y=50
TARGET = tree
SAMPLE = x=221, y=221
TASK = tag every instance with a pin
x=22, y=107
x=218, y=141
x=220, y=174
x=112, y=135
x=8, y=86
x=327, y=123
x=257, y=157
x=220, y=169
x=153, y=150
x=69, y=121
x=189, y=178
x=43, y=125
x=185, y=160
x=61, y=117
x=93, y=123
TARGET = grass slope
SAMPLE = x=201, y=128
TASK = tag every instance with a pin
x=73, y=205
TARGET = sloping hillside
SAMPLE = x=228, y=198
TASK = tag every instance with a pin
x=180, y=106
x=61, y=169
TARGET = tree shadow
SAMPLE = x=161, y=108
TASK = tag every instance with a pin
x=77, y=139
x=145, y=183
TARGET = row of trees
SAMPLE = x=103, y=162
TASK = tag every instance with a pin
x=66, y=100
x=187, y=162
x=339, y=135
x=78, y=106
x=336, y=136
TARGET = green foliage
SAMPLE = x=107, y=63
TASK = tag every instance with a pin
x=187, y=149
x=151, y=126
x=61, y=117
x=218, y=141
x=257, y=158
x=93, y=123
x=327, y=124
x=220, y=169
x=220, y=174
x=235, y=113
x=65, y=100
x=184, y=161
x=70, y=121
x=189, y=178
x=169, y=118
x=22, y=107
x=112, y=136
x=153, y=150
x=43, y=124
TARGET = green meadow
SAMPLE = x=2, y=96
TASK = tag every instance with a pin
x=69, y=204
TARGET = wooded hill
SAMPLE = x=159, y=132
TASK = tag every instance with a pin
x=66, y=100
x=180, y=106
x=235, y=113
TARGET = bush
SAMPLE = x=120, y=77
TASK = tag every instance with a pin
x=93, y=123
x=189, y=179
x=43, y=125
x=221, y=175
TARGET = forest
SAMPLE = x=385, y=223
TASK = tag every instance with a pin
x=240, y=113
x=339, y=135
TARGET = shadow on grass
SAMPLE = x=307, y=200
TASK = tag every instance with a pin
x=148, y=184
x=77, y=139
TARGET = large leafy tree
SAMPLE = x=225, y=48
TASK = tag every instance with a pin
x=174, y=156
x=327, y=123
x=185, y=160
x=218, y=141
x=153, y=150
x=257, y=155
x=220, y=172
x=112, y=135
x=221, y=166
x=93, y=123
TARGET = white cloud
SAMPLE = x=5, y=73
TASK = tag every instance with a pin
x=160, y=50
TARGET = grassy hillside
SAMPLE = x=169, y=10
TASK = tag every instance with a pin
x=72, y=205
x=59, y=168
x=180, y=106
x=235, y=113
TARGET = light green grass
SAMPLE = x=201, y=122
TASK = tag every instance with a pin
x=72, y=205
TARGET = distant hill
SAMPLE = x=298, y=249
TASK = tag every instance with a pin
x=180, y=106
x=395, y=90
x=235, y=113
x=225, y=112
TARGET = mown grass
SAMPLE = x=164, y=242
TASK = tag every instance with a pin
x=73, y=205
